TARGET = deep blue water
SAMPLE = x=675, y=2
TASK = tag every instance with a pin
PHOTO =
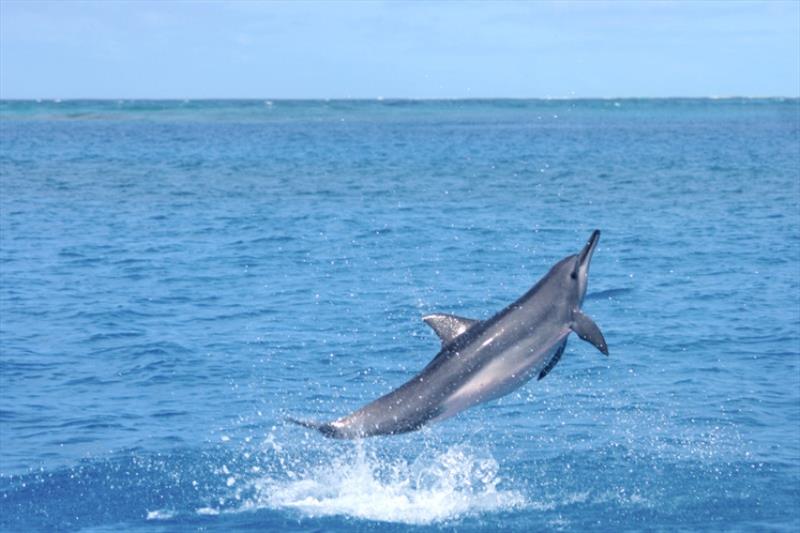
x=177, y=277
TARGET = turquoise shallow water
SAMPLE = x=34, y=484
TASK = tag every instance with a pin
x=177, y=277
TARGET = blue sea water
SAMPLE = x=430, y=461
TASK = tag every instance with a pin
x=178, y=277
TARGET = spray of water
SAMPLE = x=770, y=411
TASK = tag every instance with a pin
x=435, y=486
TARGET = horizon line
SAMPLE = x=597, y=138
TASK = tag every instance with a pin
x=386, y=98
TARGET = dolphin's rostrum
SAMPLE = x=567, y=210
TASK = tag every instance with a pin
x=481, y=360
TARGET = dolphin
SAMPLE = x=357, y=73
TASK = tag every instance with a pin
x=481, y=360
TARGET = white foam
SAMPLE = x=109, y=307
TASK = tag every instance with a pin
x=437, y=486
x=160, y=514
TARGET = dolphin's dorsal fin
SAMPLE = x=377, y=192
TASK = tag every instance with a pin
x=448, y=327
x=588, y=331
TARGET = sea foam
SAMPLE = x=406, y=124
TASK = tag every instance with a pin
x=436, y=486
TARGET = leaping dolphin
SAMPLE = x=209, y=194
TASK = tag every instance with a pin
x=481, y=360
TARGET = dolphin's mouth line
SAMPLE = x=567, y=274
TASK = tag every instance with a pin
x=586, y=254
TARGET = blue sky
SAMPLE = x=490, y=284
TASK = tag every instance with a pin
x=142, y=49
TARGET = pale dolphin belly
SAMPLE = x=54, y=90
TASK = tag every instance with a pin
x=504, y=374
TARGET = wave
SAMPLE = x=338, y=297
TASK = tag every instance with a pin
x=286, y=479
x=608, y=294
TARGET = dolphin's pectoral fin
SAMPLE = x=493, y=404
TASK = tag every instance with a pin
x=588, y=331
x=448, y=327
x=554, y=361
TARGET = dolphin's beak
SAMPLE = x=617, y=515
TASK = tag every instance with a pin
x=586, y=254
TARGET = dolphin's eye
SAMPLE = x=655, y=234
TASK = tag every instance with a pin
x=573, y=275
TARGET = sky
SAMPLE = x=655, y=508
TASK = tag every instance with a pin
x=307, y=49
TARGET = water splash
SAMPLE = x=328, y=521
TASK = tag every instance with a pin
x=436, y=486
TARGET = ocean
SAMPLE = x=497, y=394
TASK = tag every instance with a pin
x=178, y=277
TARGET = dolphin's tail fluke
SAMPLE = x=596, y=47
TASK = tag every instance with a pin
x=325, y=428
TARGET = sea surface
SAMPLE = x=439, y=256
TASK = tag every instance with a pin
x=177, y=277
